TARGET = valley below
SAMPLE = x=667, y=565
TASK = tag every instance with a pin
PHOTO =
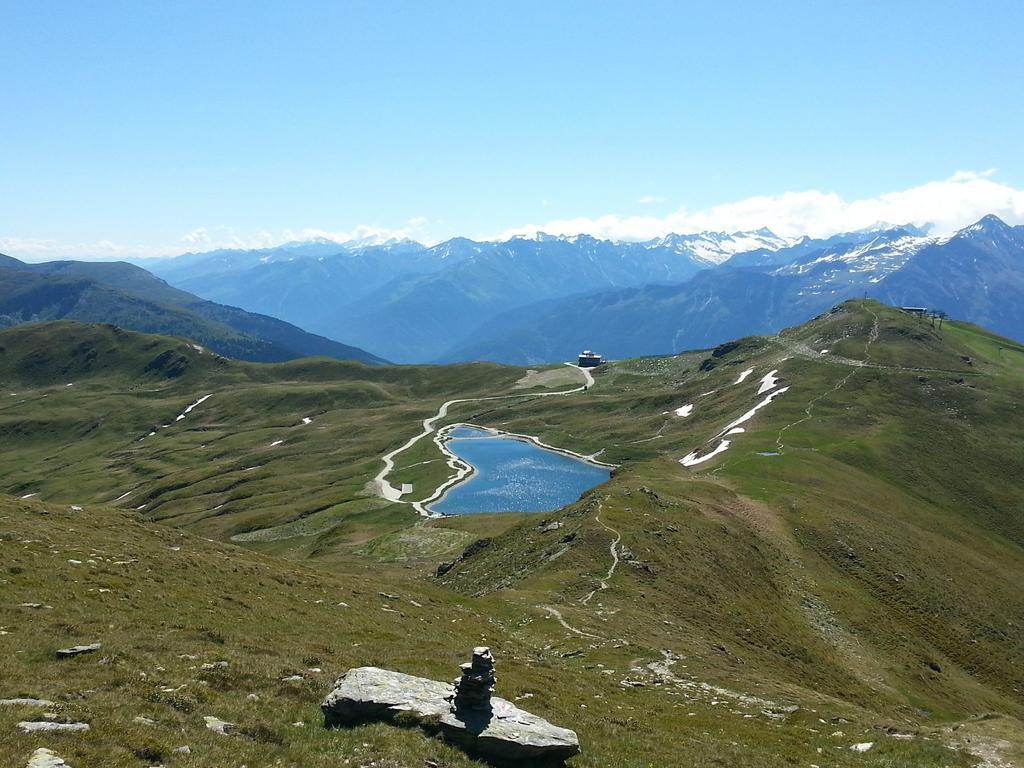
x=803, y=548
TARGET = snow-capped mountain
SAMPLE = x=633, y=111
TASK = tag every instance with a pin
x=977, y=274
x=869, y=262
x=714, y=248
x=536, y=298
x=408, y=300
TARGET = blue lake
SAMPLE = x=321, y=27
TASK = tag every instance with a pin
x=514, y=476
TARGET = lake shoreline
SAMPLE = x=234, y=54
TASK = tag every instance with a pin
x=466, y=471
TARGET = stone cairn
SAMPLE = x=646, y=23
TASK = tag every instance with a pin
x=473, y=689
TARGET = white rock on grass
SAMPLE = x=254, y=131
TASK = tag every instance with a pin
x=26, y=702
x=863, y=746
x=48, y=726
x=218, y=726
x=44, y=758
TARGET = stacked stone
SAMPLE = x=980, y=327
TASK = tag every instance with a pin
x=473, y=689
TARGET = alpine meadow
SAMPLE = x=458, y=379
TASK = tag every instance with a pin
x=460, y=386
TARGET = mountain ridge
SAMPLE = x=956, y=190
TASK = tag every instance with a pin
x=129, y=296
x=976, y=274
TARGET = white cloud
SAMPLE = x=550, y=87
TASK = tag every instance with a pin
x=650, y=200
x=947, y=205
x=202, y=239
x=38, y=249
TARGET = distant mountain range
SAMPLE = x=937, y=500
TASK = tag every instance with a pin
x=413, y=303
x=543, y=298
x=132, y=298
x=976, y=275
x=526, y=300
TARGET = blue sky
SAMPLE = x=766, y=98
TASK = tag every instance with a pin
x=138, y=128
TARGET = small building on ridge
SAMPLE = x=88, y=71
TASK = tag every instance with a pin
x=589, y=359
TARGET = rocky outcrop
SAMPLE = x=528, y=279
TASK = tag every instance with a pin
x=484, y=725
x=468, y=552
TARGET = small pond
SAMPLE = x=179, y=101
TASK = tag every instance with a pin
x=514, y=475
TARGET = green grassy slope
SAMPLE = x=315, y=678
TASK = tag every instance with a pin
x=878, y=559
x=868, y=575
x=192, y=628
x=216, y=470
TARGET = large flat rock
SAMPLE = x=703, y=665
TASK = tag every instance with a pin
x=370, y=693
x=504, y=732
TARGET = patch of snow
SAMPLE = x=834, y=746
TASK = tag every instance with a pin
x=750, y=414
x=124, y=495
x=692, y=458
x=188, y=410
x=29, y=495
x=276, y=442
x=864, y=746
x=306, y=420
x=768, y=382
x=685, y=410
x=743, y=376
x=735, y=431
x=823, y=352
x=718, y=247
x=878, y=258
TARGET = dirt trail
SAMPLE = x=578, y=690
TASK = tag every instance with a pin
x=557, y=615
x=809, y=410
x=614, y=549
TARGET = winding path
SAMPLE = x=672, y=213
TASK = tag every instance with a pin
x=389, y=492
x=614, y=548
x=557, y=615
x=808, y=411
